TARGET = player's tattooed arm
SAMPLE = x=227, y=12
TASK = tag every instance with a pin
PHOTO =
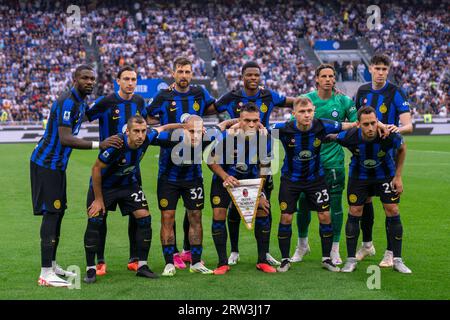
x=289, y=102
x=330, y=138
x=228, y=123
x=152, y=120
x=348, y=125
x=67, y=139
x=98, y=205
x=399, y=162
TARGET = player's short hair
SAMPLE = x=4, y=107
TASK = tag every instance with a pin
x=365, y=110
x=324, y=66
x=249, y=107
x=302, y=102
x=82, y=67
x=380, y=58
x=125, y=68
x=250, y=64
x=181, y=61
x=135, y=119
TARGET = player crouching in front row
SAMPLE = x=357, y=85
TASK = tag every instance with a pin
x=373, y=171
x=114, y=182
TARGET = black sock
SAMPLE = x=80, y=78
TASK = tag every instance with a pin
x=234, y=222
x=186, y=244
x=284, y=239
x=132, y=227
x=48, y=235
x=58, y=233
x=389, y=244
x=262, y=235
x=175, y=237
x=196, y=253
x=326, y=238
x=143, y=237
x=395, y=229
x=367, y=222
x=219, y=234
x=101, y=248
x=352, y=234
x=92, y=239
x=168, y=251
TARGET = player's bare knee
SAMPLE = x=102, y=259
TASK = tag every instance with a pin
x=141, y=213
x=324, y=217
x=391, y=209
x=286, y=218
x=220, y=213
x=356, y=211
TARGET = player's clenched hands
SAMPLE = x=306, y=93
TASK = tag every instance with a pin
x=397, y=185
x=230, y=181
x=113, y=141
x=264, y=204
x=96, y=207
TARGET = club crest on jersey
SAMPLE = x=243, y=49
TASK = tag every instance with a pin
x=335, y=114
x=263, y=108
x=196, y=106
x=57, y=204
x=66, y=116
x=317, y=142
x=381, y=154
x=216, y=200
x=163, y=203
x=383, y=108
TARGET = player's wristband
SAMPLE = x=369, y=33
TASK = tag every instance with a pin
x=95, y=144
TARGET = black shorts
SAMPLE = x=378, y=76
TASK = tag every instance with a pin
x=192, y=193
x=359, y=190
x=129, y=198
x=220, y=198
x=48, y=189
x=316, y=193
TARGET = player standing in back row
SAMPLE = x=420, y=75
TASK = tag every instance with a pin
x=338, y=107
x=48, y=169
x=113, y=112
x=169, y=105
x=392, y=107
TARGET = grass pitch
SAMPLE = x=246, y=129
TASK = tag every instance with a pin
x=424, y=210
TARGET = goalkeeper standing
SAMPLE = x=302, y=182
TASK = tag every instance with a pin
x=337, y=107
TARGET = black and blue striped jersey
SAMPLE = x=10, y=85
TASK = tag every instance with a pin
x=389, y=102
x=242, y=156
x=371, y=160
x=113, y=113
x=174, y=164
x=169, y=105
x=265, y=99
x=67, y=111
x=123, y=163
x=302, y=148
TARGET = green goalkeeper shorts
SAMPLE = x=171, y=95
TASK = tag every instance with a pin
x=335, y=179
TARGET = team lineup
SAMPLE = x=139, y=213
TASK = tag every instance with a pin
x=312, y=173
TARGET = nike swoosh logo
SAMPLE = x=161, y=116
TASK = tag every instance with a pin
x=291, y=145
x=393, y=199
x=198, y=205
x=283, y=238
x=115, y=118
x=265, y=231
x=89, y=246
x=144, y=204
x=172, y=109
x=215, y=234
x=238, y=110
x=324, y=207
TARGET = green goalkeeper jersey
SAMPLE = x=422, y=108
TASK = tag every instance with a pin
x=338, y=108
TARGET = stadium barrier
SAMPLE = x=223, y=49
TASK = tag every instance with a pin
x=89, y=131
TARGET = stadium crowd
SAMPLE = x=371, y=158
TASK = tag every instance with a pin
x=38, y=51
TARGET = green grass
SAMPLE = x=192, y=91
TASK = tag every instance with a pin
x=424, y=211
